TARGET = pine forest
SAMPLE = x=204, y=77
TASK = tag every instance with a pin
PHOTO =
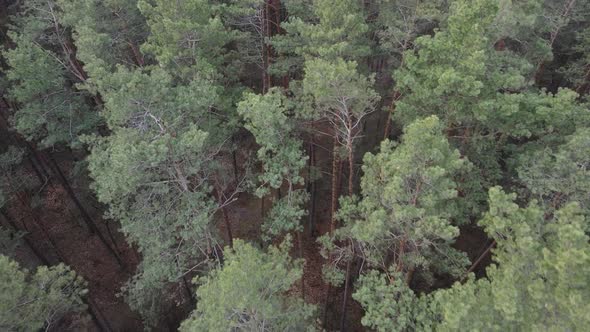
x=294, y=165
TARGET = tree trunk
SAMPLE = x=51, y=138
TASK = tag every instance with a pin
x=228, y=227
x=335, y=186
x=265, y=57
x=311, y=185
x=226, y=220
x=326, y=305
x=345, y=297
x=394, y=99
x=300, y=245
x=235, y=164
x=480, y=258
x=350, y=168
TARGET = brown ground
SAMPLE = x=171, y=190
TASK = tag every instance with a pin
x=57, y=220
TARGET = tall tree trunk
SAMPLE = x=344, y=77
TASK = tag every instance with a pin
x=300, y=245
x=41, y=227
x=350, y=168
x=335, y=186
x=228, y=227
x=345, y=297
x=226, y=220
x=265, y=34
x=235, y=164
x=395, y=98
x=326, y=305
x=480, y=258
x=311, y=186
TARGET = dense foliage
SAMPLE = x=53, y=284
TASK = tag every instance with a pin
x=431, y=158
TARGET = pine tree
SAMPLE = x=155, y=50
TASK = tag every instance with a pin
x=407, y=216
x=253, y=285
x=540, y=277
x=31, y=301
x=49, y=111
x=154, y=169
x=344, y=97
x=281, y=155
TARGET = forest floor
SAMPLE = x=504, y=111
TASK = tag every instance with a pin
x=54, y=228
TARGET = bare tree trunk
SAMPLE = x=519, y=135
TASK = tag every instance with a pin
x=228, y=227
x=44, y=231
x=66, y=185
x=480, y=258
x=300, y=245
x=350, y=168
x=226, y=220
x=326, y=305
x=311, y=185
x=345, y=297
x=335, y=186
x=235, y=164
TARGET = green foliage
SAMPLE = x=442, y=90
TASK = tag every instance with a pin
x=482, y=95
x=106, y=32
x=153, y=171
x=188, y=37
x=31, y=301
x=539, y=280
x=341, y=95
x=281, y=156
x=340, y=31
x=280, y=150
x=249, y=293
x=559, y=175
x=14, y=176
x=408, y=210
x=577, y=72
x=50, y=110
x=400, y=22
x=541, y=277
x=326, y=29
x=390, y=305
x=9, y=241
